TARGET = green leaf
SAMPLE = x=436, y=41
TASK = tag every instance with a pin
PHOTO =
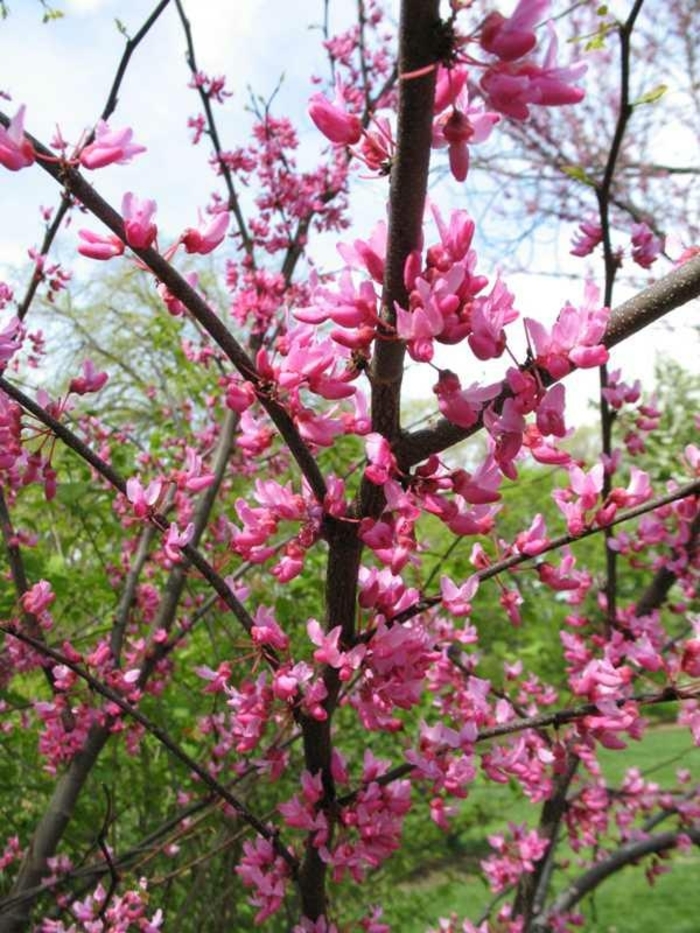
x=579, y=174
x=656, y=93
x=50, y=13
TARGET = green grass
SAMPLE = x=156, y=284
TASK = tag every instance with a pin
x=625, y=903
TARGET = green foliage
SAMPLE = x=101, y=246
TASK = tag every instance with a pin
x=578, y=173
x=651, y=96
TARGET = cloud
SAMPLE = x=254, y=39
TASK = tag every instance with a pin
x=85, y=7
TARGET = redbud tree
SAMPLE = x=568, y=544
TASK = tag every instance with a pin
x=249, y=603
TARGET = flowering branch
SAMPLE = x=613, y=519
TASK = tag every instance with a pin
x=180, y=289
x=418, y=32
x=66, y=201
x=19, y=577
x=669, y=694
x=670, y=292
x=603, y=190
x=163, y=737
x=233, y=201
x=554, y=544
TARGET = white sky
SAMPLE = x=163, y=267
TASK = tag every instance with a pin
x=63, y=71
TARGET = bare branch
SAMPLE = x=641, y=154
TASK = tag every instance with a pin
x=627, y=854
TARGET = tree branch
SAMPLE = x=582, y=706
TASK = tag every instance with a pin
x=627, y=854
x=233, y=202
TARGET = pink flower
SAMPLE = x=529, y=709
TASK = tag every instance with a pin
x=9, y=339
x=690, y=662
x=510, y=88
x=266, y=630
x=38, y=598
x=513, y=37
x=588, y=236
x=587, y=485
x=192, y=478
x=534, y=539
x=377, y=147
x=328, y=652
x=139, y=229
x=206, y=237
x=490, y=314
x=333, y=120
x=16, y=151
x=369, y=255
x=645, y=246
x=143, y=500
x=382, y=462
x=462, y=406
x=639, y=489
x=175, y=540
x=458, y=598
x=448, y=86
x=465, y=125
x=95, y=246
x=90, y=381
x=550, y=412
x=600, y=680
x=266, y=872
x=173, y=304
x=574, y=339
x=110, y=146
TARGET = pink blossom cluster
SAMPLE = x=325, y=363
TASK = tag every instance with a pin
x=122, y=913
x=510, y=84
x=515, y=854
x=406, y=637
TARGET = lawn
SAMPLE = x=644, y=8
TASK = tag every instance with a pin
x=626, y=903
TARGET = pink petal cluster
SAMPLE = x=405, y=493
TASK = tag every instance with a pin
x=512, y=88
x=16, y=151
x=333, y=120
x=574, y=340
x=514, y=855
x=646, y=246
x=99, y=246
x=588, y=236
x=143, y=500
x=139, y=229
x=110, y=146
x=463, y=126
x=267, y=873
x=513, y=38
x=205, y=238
x=10, y=339
x=90, y=381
